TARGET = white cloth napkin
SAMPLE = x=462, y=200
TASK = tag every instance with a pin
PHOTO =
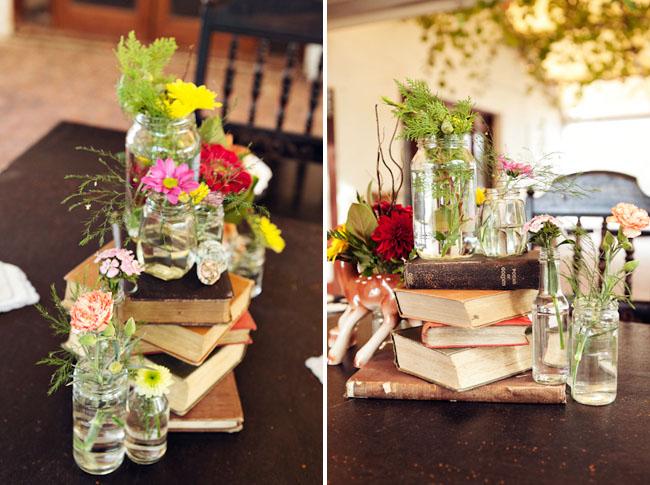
x=15, y=289
x=315, y=364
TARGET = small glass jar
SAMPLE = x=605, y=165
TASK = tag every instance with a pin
x=443, y=183
x=550, y=324
x=209, y=221
x=503, y=215
x=146, y=428
x=98, y=414
x=594, y=352
x=246, y=258
x=148, y=140
x=167, y=243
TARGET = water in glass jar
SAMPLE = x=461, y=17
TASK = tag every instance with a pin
x=595, y=351
x=550, y=349
x=146, y=446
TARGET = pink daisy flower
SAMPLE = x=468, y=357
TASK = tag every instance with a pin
x=166, y=178
x=514, y=169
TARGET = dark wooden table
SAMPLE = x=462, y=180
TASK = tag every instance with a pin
x=282, y=437
x=384, y=441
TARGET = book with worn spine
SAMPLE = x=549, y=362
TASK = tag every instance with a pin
x=477, y=272
x=380, y=379
x=507, y=332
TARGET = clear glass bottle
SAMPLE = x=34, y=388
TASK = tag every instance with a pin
x=147, y=140
x=443, y=184
x=146, y=428
x=594, y=352
x=167, y=243
x=209, y=222
x=98, y=408
x=550, y=324
x=246, y=258
x=503, y=215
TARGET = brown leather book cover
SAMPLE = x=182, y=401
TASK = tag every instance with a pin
x=219, y=411
x=475, y=273
x=380, y=379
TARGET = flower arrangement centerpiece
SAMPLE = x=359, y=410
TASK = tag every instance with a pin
x=594, y=329
x=443, y=171
x=117, y=266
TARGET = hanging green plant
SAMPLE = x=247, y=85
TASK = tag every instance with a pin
x=560, y=41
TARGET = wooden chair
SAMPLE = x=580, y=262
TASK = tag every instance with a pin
x=291, y=24
x=606, y=189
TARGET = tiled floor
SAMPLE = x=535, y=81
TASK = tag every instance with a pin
x=46, y=77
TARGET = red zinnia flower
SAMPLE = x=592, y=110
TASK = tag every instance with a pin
x=384, y=205
x=394, y=233
x=223, y=171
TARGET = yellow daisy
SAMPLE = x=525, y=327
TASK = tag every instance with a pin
x=480, y=195
x=272, y=235
x=336, y=247
x=200, y=193
x=184, y=98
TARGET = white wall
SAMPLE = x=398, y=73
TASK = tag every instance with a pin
x=362, y=63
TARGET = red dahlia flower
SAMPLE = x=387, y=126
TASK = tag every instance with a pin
x=223, y=171
x=394, y=233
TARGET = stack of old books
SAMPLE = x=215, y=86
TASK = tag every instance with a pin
x=199, y=332
x=474, y=343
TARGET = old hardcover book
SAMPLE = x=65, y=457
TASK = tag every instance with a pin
x=194, y=344
x=475, y=273
x=458, y=369
x=190, y=384
x=220, y=411
x=185, y=301
x=380, y=379
x=506, y=332
x=464, y=308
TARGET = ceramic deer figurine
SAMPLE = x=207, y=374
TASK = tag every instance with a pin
x=364, y=295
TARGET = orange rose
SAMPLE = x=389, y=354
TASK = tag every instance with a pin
x=631, y=219
x=92, y=312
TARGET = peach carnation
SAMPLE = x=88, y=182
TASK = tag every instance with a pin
x=92, y=312
x=631, y=219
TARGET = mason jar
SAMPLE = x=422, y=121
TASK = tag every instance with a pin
x=501, y=231
x=209, y=221
x=246, y=258
x=443, y=184
x=167, y=242
x=148, y=140
x=146, y=428
x=98, y=409
x=594, y=352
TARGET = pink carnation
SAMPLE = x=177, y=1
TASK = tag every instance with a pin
x=631, y=219
x=115, y=260
x=92, y=312
x=166, y=178
x=537, y=222
x=514, y=169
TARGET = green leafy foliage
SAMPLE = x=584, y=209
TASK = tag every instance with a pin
x=361, y=221
x=143, y=79
x=425, y=115
x=212, y=131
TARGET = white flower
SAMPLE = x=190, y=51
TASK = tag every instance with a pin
x=153, y=380
x=259, y=169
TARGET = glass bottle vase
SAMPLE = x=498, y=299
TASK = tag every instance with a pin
x=98, y=414
x=167, y=243
x=443, y=184
x=501, y=232
x=209, y=222
x=146, y=428
x=148, y=140
x=594, y=352
x=550, y=324
x=246, y=258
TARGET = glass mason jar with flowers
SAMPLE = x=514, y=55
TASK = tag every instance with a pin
x=148, y=415
x=594, y=330
x=117, y=267
x=501, y=231
x=162, y=108
x=443, y=171
x=551, y=308
x=167, y=239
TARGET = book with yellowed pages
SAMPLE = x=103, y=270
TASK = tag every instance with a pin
x=220, y=411
x=457, y=369
x=464, y=308
x=189, y=383
x=380, y=379
x=185, y=301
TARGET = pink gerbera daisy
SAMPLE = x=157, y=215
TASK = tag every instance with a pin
x=166, y=178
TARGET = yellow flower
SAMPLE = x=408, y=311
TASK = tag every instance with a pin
x=184, y=197
x=480, y=195
x=153, y=380
x=184, y=98
x=200, y=193
x=272, y=235
x=336, y=247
